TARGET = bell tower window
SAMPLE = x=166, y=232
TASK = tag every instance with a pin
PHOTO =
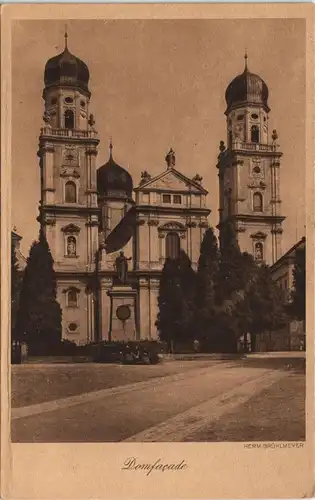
x=69, y=119
x=258, y=202
x=70, y=192
x=254, y=134
x=72, y=297
x=172, y=246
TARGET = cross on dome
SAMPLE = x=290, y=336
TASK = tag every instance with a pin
x=66, y=37
x=246, y=59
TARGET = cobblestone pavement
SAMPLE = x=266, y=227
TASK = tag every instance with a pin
x=167, y=408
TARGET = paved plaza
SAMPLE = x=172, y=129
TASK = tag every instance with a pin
x=252, y=399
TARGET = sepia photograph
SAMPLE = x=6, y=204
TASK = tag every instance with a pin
x=158, y=239
x=157, y=217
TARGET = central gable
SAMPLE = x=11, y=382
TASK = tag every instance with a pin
x=171, y=180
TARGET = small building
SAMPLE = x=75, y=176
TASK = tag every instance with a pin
x=291, y=337
x=15, y=241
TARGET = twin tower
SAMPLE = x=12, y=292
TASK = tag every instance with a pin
x=81, y=205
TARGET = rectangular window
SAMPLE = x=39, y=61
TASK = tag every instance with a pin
x=166, y=198
x=177, y=199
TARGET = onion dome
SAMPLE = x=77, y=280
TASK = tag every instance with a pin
x=113, y=180
x=247, y=88
x=67, y=70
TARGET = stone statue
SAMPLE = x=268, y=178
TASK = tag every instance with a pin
x=121, y=265
x=145, y=177
x=170, y=159
x=258, y=251
x=71, y=247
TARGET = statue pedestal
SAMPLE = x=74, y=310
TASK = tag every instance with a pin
x=122, y=322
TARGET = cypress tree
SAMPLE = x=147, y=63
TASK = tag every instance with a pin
x=170, y=302
x=206, y=288
x=187, y=279
x=230, y=269
x=39, y=316
x=235, y=275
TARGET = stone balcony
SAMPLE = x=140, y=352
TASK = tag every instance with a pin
x=249, y=146
x=69, y=133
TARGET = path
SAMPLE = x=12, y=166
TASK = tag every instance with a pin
x=160, y=409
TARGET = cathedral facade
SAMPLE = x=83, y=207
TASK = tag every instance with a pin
x=90, y=214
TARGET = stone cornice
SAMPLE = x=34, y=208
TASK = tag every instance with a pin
x=173, y=210
x=74, y=209
x=259, y=218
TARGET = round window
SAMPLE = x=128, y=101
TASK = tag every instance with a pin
x=254, y=116
x=240, y=117
x=123, y=312
x=53, y=101
x=257, y=170
x=68, y=100
x=72, y=327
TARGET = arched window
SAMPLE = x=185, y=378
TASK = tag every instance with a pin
x=72, y=298
x=71, y=192
x=69, y=119
x=259, y=251
x=172, y=245
x=258, y=202
x=71, y=246
x=255, y=134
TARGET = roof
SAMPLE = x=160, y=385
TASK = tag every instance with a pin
x=247, y=88
x=290, y=254
x=112, y=178
x=67, y=70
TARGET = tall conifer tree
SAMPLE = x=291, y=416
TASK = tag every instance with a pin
x=39, y=316
x=170, y=302
x=206, y=287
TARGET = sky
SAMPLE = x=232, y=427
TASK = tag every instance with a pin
x=158, y=84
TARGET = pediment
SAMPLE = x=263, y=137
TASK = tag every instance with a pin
x=71, y=228
x=175, y=226
x=173, y=181
x=259, y=235
x=74, y=288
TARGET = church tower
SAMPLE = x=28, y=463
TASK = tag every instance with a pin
x=249, y=169
x=68, y=207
